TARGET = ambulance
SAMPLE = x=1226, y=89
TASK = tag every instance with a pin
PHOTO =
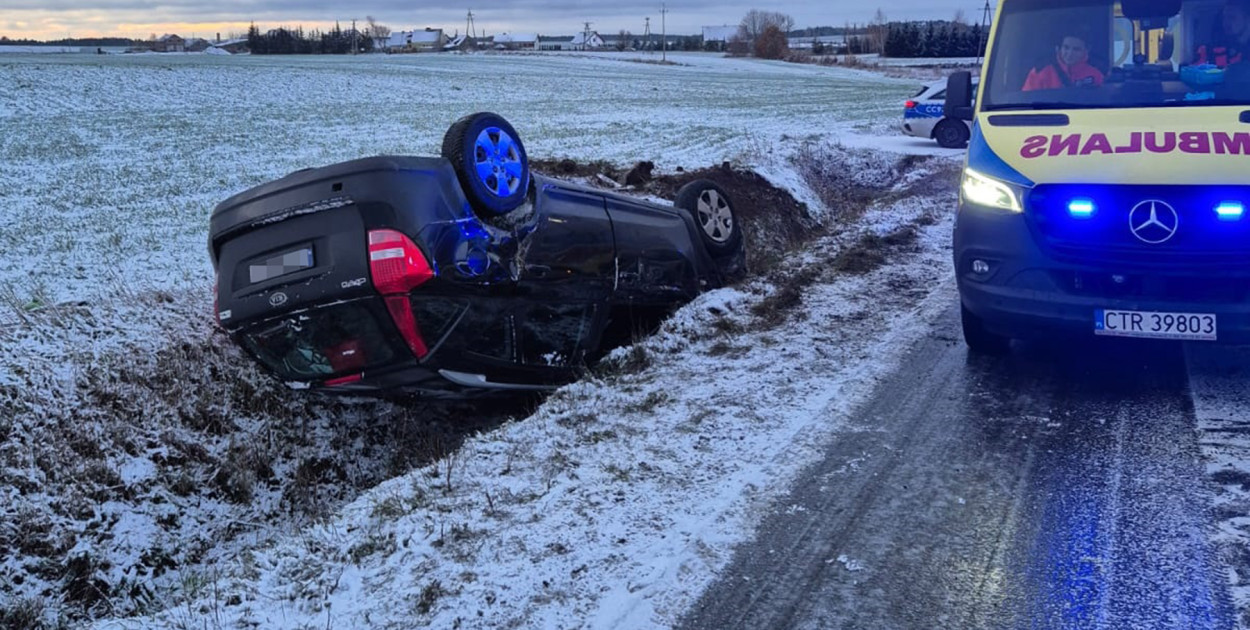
x=1108, y=173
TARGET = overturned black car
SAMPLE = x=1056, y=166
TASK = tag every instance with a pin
x=455, y=274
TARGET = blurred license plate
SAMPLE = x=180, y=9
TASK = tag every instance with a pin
x=1151, y=325
x=280, y=265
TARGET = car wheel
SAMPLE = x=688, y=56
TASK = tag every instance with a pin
x=489, y=161
x=951, y=134
x=713, y=213
x=980, y=340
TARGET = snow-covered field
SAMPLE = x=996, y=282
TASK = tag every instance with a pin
x=39, y=50
x=142, y=471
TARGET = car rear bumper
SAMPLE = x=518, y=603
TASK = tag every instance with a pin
x=917, y=127
x=1028, y=293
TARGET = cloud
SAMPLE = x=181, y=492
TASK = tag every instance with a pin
x=120, y=17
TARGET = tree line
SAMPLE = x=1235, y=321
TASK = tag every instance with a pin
x=88, y=41
x=287, y=41
x=933, y=39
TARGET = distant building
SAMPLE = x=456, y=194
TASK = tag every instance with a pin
x=196, y=44
x=516, y=41
x=236, y=46
x=548, y=42
x=428, y=40
x=461, y=43
x=583, y=41
x=830, y=44
x=717, y=37
x=170, y=43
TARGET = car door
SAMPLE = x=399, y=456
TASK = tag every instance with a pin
x=656, y=254
x=566, y=263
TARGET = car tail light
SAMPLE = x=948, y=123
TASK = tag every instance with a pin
x=397, y=267
x=396, y=263
x=910, y=105
x=344, y=380
x=406, y=322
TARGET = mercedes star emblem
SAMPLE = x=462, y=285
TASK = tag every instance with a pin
x=1153, y=221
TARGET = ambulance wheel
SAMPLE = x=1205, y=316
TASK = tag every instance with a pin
x=951, y=134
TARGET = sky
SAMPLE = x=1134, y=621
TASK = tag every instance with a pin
x=56, y=19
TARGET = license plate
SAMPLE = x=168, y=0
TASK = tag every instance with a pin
x=281, y=265
x=1151, y=325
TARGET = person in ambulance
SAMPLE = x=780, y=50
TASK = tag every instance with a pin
x=1232, y=42
x=1069, y=68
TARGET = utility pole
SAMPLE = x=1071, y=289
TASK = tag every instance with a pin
x=586, y=37
x=646, y=35
x=664, y=32
x=353, y=36
x=469, y=30
x=987, y=18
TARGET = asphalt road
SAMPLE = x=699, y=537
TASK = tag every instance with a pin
x=1059, y=487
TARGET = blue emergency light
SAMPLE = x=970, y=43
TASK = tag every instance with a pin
x=1230, y=210
x=1081, y=208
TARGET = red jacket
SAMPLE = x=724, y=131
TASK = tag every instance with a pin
x=1220, y=55
x=1049, y=77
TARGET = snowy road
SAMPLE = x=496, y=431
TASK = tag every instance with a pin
x=1060, y=487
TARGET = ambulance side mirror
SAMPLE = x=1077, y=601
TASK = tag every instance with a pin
x=959, y=96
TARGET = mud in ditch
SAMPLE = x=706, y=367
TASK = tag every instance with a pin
x=774, y=223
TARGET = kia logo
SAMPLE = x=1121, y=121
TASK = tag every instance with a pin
x=1153, y=221
x=277, y=299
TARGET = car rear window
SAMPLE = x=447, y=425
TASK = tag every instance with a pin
x=920, y=91
x=322, y=343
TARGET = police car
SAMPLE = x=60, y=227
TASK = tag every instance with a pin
x=923, y=117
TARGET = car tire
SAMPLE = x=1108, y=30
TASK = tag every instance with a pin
x=713, y=213
x=490, y=162
x=951, y=134
x=980, y=340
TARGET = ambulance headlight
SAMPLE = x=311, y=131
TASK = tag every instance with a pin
x=989, y=192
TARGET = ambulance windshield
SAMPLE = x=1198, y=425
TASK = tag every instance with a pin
x=1079, y=54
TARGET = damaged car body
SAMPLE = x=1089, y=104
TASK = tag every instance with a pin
x=458, y=273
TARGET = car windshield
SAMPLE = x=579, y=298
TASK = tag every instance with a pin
x=1085, y=54
x=320, y=343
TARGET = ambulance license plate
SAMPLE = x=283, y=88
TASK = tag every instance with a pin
x=1151, y=325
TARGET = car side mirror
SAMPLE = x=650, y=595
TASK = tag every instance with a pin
x=959, y=95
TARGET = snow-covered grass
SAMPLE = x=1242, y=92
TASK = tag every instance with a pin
x=144, y=464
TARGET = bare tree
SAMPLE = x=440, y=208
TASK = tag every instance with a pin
x=877, y=31
x=755, y=22
x=622, y=43
x=772, y=43
x=960, y=18
x=379, y=32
